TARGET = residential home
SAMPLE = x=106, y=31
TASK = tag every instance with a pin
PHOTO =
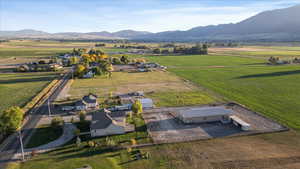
x=89, y=74
x=91, y=100
x=103, y=125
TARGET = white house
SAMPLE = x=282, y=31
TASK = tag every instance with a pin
x=90, y=101
x=103, y=125
x=87, y=102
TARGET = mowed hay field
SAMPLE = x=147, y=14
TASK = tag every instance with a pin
x=18, y=88
x=260, y=51
x=165, y=88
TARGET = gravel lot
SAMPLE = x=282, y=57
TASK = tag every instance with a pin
x=165, y=128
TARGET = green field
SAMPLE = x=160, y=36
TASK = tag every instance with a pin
x=31, y=52
x=287, y=53
x=271, y=90
x=18, y=88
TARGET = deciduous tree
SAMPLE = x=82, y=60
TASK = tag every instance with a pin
x=11, y=119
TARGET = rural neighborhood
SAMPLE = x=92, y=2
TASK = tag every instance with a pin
x=222, y=96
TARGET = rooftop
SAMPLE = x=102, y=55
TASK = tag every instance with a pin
x=206, y=111
x=100, y=120
x=90, y=98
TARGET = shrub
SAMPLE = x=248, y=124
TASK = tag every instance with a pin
x=137, y=107
x=57, y=122
x=82, y=116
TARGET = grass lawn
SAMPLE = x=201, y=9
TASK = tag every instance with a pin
x=140, y=134
x=262, y=151
x=271, y=90
x=160, y=84
x=18, y=88
x=177, y=99
x=44, y=134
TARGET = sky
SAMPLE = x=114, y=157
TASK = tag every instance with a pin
x=114, y=15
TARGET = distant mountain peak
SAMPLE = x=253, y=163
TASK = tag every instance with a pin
x=279, y=24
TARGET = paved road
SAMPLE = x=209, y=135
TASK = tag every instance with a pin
x=11, y=148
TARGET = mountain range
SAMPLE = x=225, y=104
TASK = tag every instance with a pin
x=34, y=34
x=275, y=25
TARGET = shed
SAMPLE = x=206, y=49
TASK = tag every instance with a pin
x=205, y=114
x=146, y=102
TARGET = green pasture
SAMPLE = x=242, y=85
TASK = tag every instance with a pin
x=18, y=88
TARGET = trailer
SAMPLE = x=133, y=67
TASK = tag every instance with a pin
x=240, y=123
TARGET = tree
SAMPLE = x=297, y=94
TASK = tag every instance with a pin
x=42, y=62
x=116, y=61
x=74, y=60
x=137, y=107
x=80, y=70
x=124, y=59
x=11, y=119
x=156, y=51
x=82, y=116
x=23, y=68
x=56, y=122
x=110, y=143
x=205, y=49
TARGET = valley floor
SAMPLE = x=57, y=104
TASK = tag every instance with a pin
x=240, y=76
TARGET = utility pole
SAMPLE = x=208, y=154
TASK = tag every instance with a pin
x=72, y=70
x=21, y=142
x=49, y=111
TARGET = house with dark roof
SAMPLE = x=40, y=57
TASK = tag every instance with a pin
x=90, y=100
x=87, y=102
x=103, y=125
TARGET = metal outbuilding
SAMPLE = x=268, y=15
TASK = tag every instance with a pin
x=205, y=114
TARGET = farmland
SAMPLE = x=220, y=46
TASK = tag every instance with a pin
x=17, y=89
x=271, y=90
x=194, y=80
